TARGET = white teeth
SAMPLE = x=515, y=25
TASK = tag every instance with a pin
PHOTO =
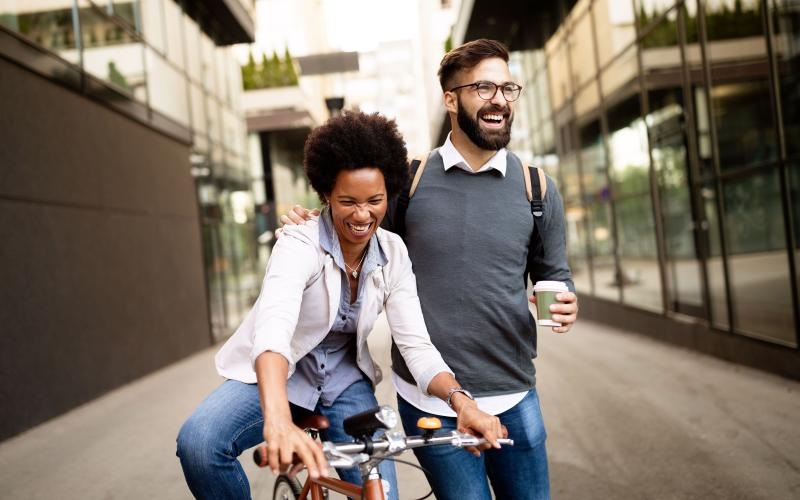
x=360, y=228
x=493, y=117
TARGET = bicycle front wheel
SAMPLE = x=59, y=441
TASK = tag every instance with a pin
x=286, y=489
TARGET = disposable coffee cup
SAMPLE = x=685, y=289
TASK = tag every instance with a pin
x=545, y=295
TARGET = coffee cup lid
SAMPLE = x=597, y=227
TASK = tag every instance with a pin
x=550, y=286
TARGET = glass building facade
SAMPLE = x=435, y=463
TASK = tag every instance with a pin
x=673, y=129
x=150, y=60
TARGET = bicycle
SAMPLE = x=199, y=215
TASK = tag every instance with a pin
x=365, y=452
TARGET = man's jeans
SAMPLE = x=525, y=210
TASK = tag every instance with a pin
x=517, y=472
x=229, y=421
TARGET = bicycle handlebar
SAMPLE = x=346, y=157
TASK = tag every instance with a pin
x=392, y=443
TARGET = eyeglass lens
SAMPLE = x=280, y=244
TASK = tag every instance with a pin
x=487, y=90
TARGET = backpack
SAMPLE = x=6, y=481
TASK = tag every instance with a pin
x=535, y=189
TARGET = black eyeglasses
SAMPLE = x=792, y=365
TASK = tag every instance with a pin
x=487, y=90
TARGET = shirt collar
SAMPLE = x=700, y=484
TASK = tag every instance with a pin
x=452, y=158
x=329, y=242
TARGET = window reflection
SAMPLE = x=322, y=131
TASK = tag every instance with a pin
x=730, y=19
x=714, y=265
x=593, y=163
x=597, y=198
x=638, y=270
x=604, y=275
x=576, y=219
x=578, y=243
x=745, y=130
x=671, y=168
x=786, y=23
x=760, y=285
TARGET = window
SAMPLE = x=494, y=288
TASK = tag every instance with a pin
x=638, y=273
x=758, y=264
x=745, y=128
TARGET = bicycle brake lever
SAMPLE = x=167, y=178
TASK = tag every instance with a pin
x=342, y=460
x=463, y=439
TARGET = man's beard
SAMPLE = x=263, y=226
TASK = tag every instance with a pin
x=490, y=140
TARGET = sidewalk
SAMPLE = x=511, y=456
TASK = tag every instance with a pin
x=627, y=417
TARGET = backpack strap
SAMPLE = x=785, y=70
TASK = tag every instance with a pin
x=415, y=168
x=536, y=189
x=421, y=161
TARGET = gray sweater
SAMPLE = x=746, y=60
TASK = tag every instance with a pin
x=468, y=237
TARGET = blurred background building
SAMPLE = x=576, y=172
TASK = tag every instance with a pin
x=144, y=161
x=673, y=129
x=126, y=205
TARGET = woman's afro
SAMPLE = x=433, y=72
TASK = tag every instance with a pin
x=355, y=140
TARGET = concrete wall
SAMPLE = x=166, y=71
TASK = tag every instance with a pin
x=101, y=268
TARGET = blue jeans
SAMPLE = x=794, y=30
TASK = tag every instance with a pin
x=516, y=472
x=229, y=421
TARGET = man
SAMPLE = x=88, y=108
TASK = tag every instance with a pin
x=468, y=231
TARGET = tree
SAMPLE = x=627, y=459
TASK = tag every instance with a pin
x=289, y=72
x=266, y=73
x=249, y=73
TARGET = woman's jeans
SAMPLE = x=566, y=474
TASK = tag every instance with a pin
x=517, y=472
x=229, y=421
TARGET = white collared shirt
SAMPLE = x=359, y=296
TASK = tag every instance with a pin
x=452, y=158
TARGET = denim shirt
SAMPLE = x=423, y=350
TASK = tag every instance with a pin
x=330, y=368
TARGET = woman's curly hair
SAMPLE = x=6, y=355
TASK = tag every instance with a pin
x=351, y=141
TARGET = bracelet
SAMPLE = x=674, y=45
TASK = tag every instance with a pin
x=455, y=390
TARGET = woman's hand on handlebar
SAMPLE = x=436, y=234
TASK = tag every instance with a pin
x=289, y=448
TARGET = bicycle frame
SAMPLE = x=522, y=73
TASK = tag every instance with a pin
x=372, y=489
x=367, y=453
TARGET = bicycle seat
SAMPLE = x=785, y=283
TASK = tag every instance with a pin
x=313, y=421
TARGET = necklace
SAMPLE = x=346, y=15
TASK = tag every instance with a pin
x=354, y=270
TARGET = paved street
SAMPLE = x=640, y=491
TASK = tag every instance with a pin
x=627, y=417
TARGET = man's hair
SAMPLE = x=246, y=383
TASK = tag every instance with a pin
x=351, y=141
x=468, y=56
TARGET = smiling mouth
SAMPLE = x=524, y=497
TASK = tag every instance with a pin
x=359, y=229
x=493, y=119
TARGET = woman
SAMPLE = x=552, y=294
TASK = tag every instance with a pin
x=303, y=345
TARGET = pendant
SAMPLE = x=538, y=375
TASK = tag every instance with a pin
x=354, y=274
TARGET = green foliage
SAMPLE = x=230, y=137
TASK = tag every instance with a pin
x=249, y=73
x=721, y=24
x=289, y=72
x=117, y=78
x=272, y=72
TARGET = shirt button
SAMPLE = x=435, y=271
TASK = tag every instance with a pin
x=344, y=317
x=319, y=387
x=322, y=366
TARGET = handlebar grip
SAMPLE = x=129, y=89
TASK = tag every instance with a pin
x=260, y=455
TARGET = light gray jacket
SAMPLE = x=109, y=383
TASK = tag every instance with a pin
x=299, y=300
